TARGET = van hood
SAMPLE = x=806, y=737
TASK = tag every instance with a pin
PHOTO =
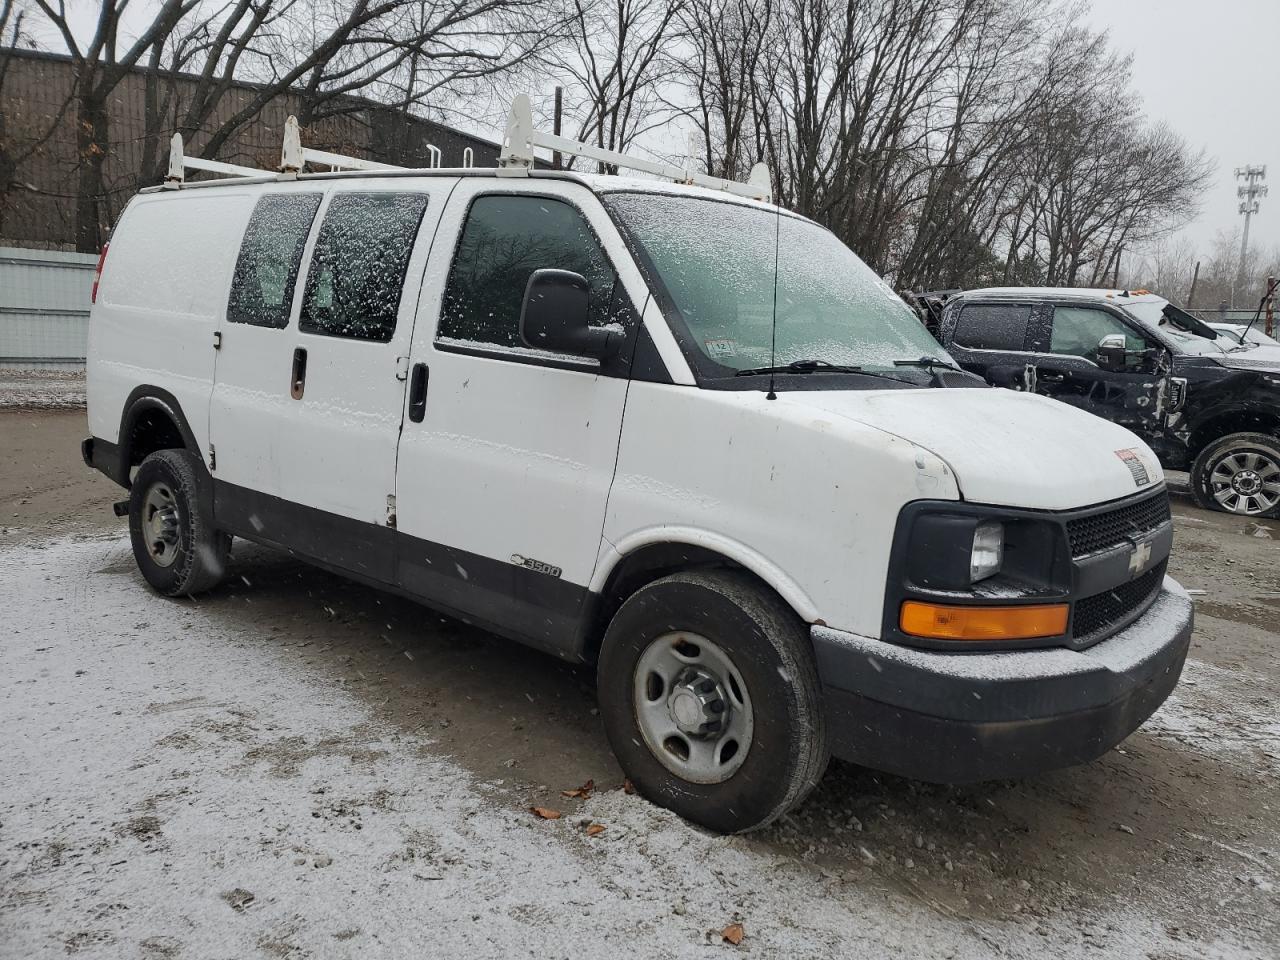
x=1006, y=448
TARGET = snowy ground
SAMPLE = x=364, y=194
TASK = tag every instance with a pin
x=41, y=389
x=301, y=767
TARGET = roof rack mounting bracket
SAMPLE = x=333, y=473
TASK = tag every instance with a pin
x=292, y=158
x=177, y=171
x=516, y=156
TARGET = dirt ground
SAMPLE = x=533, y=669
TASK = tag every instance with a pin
x=300, y=766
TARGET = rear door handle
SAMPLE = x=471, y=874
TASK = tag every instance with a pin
x=418, y=392
x=298, y=380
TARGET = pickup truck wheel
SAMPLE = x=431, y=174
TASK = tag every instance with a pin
x=1239, y=474
x=175, y=545
x=711, y=700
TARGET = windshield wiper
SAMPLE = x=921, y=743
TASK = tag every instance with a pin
x=928, y=363
x=801, y=366
x=935, y=368
x=819, y=366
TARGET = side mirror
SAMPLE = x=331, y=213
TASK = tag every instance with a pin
x=1112, y=352
x=554, y=317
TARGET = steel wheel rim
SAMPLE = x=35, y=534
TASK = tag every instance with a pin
x=1245, y=482
x=160, y=524
x=692, y=707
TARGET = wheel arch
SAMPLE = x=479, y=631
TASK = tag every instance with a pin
x=1222, y=423
x=152, y=419
x=646, y=556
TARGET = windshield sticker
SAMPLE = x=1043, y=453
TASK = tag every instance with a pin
x=1136, y=467
x=721, y=349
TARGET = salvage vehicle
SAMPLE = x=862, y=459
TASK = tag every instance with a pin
x=656, y=424
x=1205, y=400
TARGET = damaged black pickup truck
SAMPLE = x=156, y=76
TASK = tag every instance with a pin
x=1204, y=400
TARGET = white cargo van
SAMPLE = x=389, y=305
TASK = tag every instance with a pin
x=669, y=429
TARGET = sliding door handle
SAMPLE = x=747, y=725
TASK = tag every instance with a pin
x=418, y=393
x=298, y=379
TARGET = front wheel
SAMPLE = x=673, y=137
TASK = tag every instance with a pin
x=711, y=700
x=1239, y=474
x=174, y=543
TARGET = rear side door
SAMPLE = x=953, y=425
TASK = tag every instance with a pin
x=991, y=340
x=1066, y=368
x=306, y=425
x=508, y=452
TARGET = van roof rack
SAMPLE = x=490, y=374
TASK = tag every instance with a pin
x=515, y=159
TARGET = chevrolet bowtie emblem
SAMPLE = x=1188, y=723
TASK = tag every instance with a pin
x=1140, y=557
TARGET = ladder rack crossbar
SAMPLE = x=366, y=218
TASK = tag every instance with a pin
x=665, y=170
x=231, y=169
x=340, y=161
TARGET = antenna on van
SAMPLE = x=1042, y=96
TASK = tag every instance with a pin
x=773, y=331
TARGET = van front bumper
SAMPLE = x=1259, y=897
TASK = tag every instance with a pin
x=966, y=717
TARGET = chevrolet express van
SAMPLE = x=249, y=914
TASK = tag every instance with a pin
x=680, y=433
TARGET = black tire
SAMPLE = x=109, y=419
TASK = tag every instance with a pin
x=196, y=559
x=1204, y=481
x=769, y=646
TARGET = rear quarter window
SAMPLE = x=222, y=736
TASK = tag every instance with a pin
x=270, y=255
x=173, y=255
x=1000, y=326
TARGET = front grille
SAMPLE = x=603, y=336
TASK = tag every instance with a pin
x=1102, y=531
x=1104, y=613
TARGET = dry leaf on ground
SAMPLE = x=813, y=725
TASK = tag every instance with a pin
x=594, y=829
x=546, y=813
x=733, y=933
x=582, y=793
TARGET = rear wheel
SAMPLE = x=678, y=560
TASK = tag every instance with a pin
x=711, y=700
x=174, y=543
x=1239, y=474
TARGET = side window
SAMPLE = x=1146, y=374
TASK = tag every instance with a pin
x=267, y=268
x=1077, y=330
x=358, y=266
x=1001, y=326
x=504, y=240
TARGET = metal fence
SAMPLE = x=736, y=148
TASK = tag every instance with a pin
x=44, y=308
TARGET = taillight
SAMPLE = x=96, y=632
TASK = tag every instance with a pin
x=97, y=273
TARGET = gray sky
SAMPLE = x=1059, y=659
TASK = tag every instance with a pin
x=1209, y=68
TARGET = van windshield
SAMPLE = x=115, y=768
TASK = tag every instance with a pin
x=716, y=261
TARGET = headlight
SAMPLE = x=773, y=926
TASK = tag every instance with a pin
x=987, y=555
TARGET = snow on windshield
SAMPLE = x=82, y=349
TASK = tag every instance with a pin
x=716, y=261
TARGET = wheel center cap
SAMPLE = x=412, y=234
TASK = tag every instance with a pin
x=686, y=710
x=1246, y=482
x=697, y=704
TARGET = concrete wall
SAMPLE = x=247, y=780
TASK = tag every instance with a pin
x=44, y=308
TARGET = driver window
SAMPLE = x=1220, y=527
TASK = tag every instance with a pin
x=1077, y=331
x=504, y=240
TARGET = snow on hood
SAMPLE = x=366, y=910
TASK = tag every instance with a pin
x=1007, y=448
x=1262, y=358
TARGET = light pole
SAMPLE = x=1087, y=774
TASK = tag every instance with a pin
x=1249, y=192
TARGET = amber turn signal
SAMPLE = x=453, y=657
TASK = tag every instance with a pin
x=941, y=622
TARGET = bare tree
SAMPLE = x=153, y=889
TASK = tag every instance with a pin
x=11, y=35
x=614, y=55
x=100, y=65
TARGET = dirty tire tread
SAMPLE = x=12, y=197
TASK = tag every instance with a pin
x=1211, y=454
x=203, y=560
x=788, y=640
